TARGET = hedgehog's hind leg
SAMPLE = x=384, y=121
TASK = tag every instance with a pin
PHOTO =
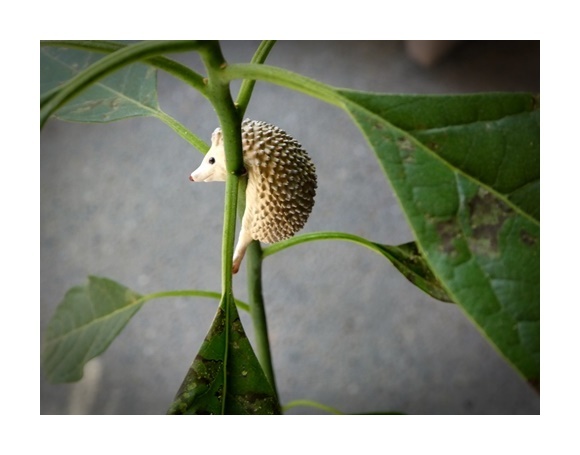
x=244, y=239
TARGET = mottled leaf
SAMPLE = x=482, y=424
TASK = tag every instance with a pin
x=84, y=325
x=225, y=377
x=129, y=92
x=493, y=137
x=410, y=262
x=483, y=246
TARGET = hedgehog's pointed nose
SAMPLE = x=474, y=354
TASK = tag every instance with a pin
x=191, y=178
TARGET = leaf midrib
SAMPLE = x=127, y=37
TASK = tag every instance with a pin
x=98, y=320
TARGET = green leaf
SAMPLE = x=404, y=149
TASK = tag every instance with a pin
x=129, y=92
x=225, y=377
x=482, y=244
x=410, y=262
x=493, y=137
x=84, y=325
x=406, y=258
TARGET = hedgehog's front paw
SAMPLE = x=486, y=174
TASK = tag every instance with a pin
x=244, y=239
x=239, y=254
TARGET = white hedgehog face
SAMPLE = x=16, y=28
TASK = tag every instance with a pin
x=213, y=166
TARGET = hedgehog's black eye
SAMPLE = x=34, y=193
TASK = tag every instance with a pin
x=211, y=160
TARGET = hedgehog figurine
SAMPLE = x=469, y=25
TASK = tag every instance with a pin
x=281, y=183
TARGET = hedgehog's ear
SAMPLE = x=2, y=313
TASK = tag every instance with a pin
x=216, y=137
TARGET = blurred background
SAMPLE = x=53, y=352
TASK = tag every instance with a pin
x=346, y=328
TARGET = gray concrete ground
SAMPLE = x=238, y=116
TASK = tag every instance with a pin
x=346, y=328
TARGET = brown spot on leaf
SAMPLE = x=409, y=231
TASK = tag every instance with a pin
x=217, y=327
x=487, y=215
x=238, y=329
x=206, y=369
x=219, y=392
x=202, y=373
x=404, y=143
x=258, y=403
x=448, y=231
x=406, y=149
x=527, y=238
x=410, y=262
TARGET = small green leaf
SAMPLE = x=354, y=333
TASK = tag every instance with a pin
x=84, y=325
x=225, y=377
x=412, y=264
x=129, y=92
x=482, y=244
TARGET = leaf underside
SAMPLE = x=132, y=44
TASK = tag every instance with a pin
x=129, y=92
x=466, y=172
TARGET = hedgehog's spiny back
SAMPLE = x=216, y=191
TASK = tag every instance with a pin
x=281, y=182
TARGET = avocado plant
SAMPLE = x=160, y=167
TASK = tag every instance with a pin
x=465, y=170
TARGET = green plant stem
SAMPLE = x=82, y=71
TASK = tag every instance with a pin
x=258, y=311
x=172, y=67
x=218, y=90
x=285, y=78
x=311, y=404
x=311, y=237
x=247, y=86
x=107, y=65
x=220, y=97
x=189, y=293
